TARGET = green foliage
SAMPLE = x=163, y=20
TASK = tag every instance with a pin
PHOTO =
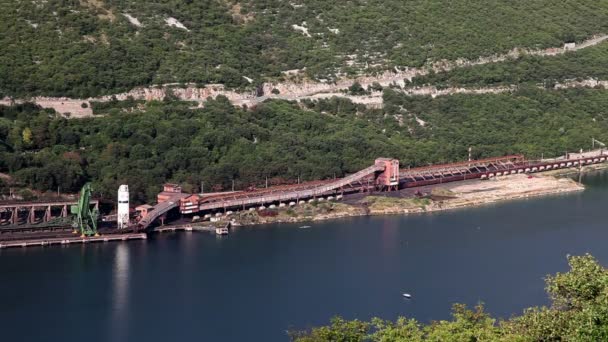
x=27, y=136
x=339, y=331
x=171, y=141
x=530, y=121
x=375, y=86
x=579, y=313
x=4, y=187
x=528, y=69
x=27, y=195
x=383, y=203
x=357, y=89
x=89, y=48
x=146, y=144
x=106, y=107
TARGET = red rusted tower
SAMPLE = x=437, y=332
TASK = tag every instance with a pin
x=388, y=178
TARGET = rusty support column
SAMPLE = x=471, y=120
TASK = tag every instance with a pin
x=31, y=216
x=14, y=215
x=47, y=214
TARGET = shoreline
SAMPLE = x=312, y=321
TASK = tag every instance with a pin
x=476, y=194
x=442, y=197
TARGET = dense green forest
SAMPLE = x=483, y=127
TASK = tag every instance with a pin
x=528, y=69
x=83, y=48
x=530, y=121
x=579, y=312
x=170, y=141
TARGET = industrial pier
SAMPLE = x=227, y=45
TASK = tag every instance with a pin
x=25, y=224
x=72, y=240
x=384, y=175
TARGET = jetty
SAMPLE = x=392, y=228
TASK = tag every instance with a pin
x=72, y=240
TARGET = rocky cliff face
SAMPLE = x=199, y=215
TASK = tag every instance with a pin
x=297, y=89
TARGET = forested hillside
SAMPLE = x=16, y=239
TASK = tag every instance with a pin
x=583, y=64
x=82, y=48
x=169, y=141
x=92, y=47
x=155, y=142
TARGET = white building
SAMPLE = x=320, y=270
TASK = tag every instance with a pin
x=123, y=207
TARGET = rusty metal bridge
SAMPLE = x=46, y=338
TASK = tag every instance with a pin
x=457, y=171
x=36, y=212
x=493, y=167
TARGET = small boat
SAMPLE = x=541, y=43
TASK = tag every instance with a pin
x=221, y=231
x=304, y=227
x=407, y=295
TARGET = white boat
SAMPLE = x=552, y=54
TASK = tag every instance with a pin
x=304, y=227
x=221, y=231
x=407, y=295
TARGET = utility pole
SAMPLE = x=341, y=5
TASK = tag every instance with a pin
x=233, y=185
x=600, y=144
x=202, y=187
x=266, y=182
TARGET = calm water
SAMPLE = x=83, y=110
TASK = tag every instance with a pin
x=262, y=281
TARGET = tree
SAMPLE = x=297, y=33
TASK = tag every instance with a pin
x=578, y=313
x=27, y=136
x=356, y=89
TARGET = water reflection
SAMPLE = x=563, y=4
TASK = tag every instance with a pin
x=257, y=282
x=390, y=237
x=120, y=292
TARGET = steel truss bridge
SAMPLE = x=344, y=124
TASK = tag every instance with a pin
x=36, y=212
x=492, y=167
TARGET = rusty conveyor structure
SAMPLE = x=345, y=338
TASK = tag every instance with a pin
x=365, y=179
x=383, y=175
x=457, y=171
x=304, y=191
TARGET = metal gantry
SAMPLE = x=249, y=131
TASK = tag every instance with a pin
x=85, y=218
x=31, y=213
x=456, y=171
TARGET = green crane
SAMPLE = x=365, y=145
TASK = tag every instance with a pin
x=85, y=219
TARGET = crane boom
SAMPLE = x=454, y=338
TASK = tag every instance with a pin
x=85, y=219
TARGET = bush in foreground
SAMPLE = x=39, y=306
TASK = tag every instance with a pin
x=578, y=312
